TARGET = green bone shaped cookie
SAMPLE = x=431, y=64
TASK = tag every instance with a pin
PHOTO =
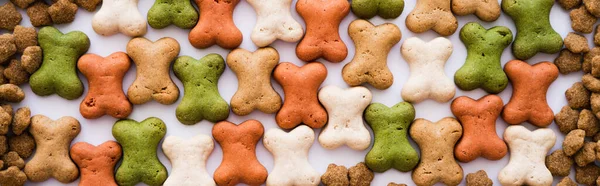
x=201, y=98
x=58, y=71
x=534, y=32
x=483, y=69
x=181, y=13
x=386, y=9
x=391, y=148
x=140, y=141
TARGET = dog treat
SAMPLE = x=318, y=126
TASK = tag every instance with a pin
x=588, y=122
x=105, y=78
x=89, y=5
x=595, y=67
x=181, y=13
x=152, y=61
x=373, y=44
x=23, y=4
x=3, y=147
x=13, y=159
x=434, y=15
x=216, y=25
x=591, y=83
x=62, y=11
x=485, y=10
x=586, y=155
x=597, y=35
x=436, y=142
x=201, y=98
x=31, y=59
x=253, y=71
x=482, y=68
x=587, y=175
x=528, y=101
x=593, y=7
x=558, y=163
x=58, y=72
x=576, y=43
x=25, y=37
x=7, y=47
x=527, y=153
x=96, y=163
x=573, y=141
x=188, y=158
x=15, y=74
x=345, y=108
x=38, y=14
x=240, y=164
x=568, y=61
x=290, y=153
x=360, y=175
x=51, y=159
x=595, y=104
x=23, y=144
x=5, y=121
x=578, y=97
x=10, y=16
x=427, y=78
x=335, y=176
x=387, y=9
x=534, y=32
x=139, y=141
x=478, y=119
x=566, y=181
x=479, y=178
x=391, y=148
x=22, y=120
x=117, y=16
x=300, y=86
x=322, y=39
x=11, y=93
x=569, y=4
x=588, y=58
x=582, y=20
x=274, y=21
x=12, y=176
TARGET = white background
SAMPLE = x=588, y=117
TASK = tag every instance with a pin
x=98, y=131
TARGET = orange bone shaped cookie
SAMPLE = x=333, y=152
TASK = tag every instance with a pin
x=96, y=163
x=216, y=25
x=239, y=163
x=105, y=77
x=322, y=39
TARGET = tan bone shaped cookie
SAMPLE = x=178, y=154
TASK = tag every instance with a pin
x=188, y=159
x=117, y=16
x=427, y=78
x=486, y=10
x=434, y=15
x=274, y=21
x=528, y=151
x=290, y=151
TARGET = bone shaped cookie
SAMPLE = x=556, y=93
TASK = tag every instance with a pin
x=188, y=159
x=239, y=164
x=153, y=61
x=105, y=78
x=345, y=108
x=216, y=25
x=434, y=15
x=528, y=150
x=117, y=16
x=484, y=9
x=528, y=100
x=373, y=44
x=140, y=141
x=478, y=118
x=290, y=151
x=96, y=163
x=51, y=158
x=253, y=71
x=274, y=21
x=181, y=13
x=387, y=9
x=427, y=78
x=322, y=38
x=300, y=86
x=436, y=141
x=391, y=148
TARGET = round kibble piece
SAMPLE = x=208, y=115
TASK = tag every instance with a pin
x=582, y=20
x=25, y=37
x=12, y=158
x=479, y=178
x=578, y=97
x=21, y=120
x=576, y=43
x=587, y=175
x=568, y=61
x=587, y=59
x=558, y=163
x=7, y=47
x=566, y=119
x=15, y=73
x=11, y=93
x=335, y=175
x=595, y=67
x=573, y=142
x=38, y=14
x=360, y=175
x=588, y=122
x=62, y=11
x=10, y=16
x=586, y=155
x=566, y=181
x=23, y=144
x=592, y=6
x=31, y=59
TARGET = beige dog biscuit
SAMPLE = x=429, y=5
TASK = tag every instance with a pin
x=432, y=14
x=373, y=44
x=188, y=158
x=274, y=21
x=153, y=80
x=485, y=10
x=119, y=16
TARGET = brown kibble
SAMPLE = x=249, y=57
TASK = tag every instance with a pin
x=10, y=16
x=591, y=83
x=335, y=175
x=582, y=20
x=23, y=144
x=566, y=119
x=597, y=36
x=595, y=67
x=595, y=103
x=568, y=61
x=566, y=181
x=3, y=145
x=576, y=43
x=592, y=6
x=7, y=47
x=588, y=122
x=479, y=178
x=2, y=79
x=578, y=97
x=587, y=59
x=13, y=159
x=573, y=142
x=12, y=177
x=7, y=108
x=597, y=150
x=23, y=4
x=38, y=14
x=63, y=11
x=5, y=120
x=25, y=37
x=31, y=59
x=21, y=121
x=360, y=175
x=15, y=73
x=395, y=184
x=587, y=175
x=89, y=5
x=11, y=93
x=586, y=155
x=569, y=4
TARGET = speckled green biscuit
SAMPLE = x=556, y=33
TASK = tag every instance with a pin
x=483, y=69
x=534, y=32
x=391, y=148
x=58, y=71
x=181, y=13
x=201, y=98
x=386, y=9
x=140, y=141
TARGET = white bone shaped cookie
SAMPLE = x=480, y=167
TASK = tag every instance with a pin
x=188, y=158
x=427, y=78
x=527, y=156
x=345, y=108
x=119, y=16
x=274, y=21
x=290, y=151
